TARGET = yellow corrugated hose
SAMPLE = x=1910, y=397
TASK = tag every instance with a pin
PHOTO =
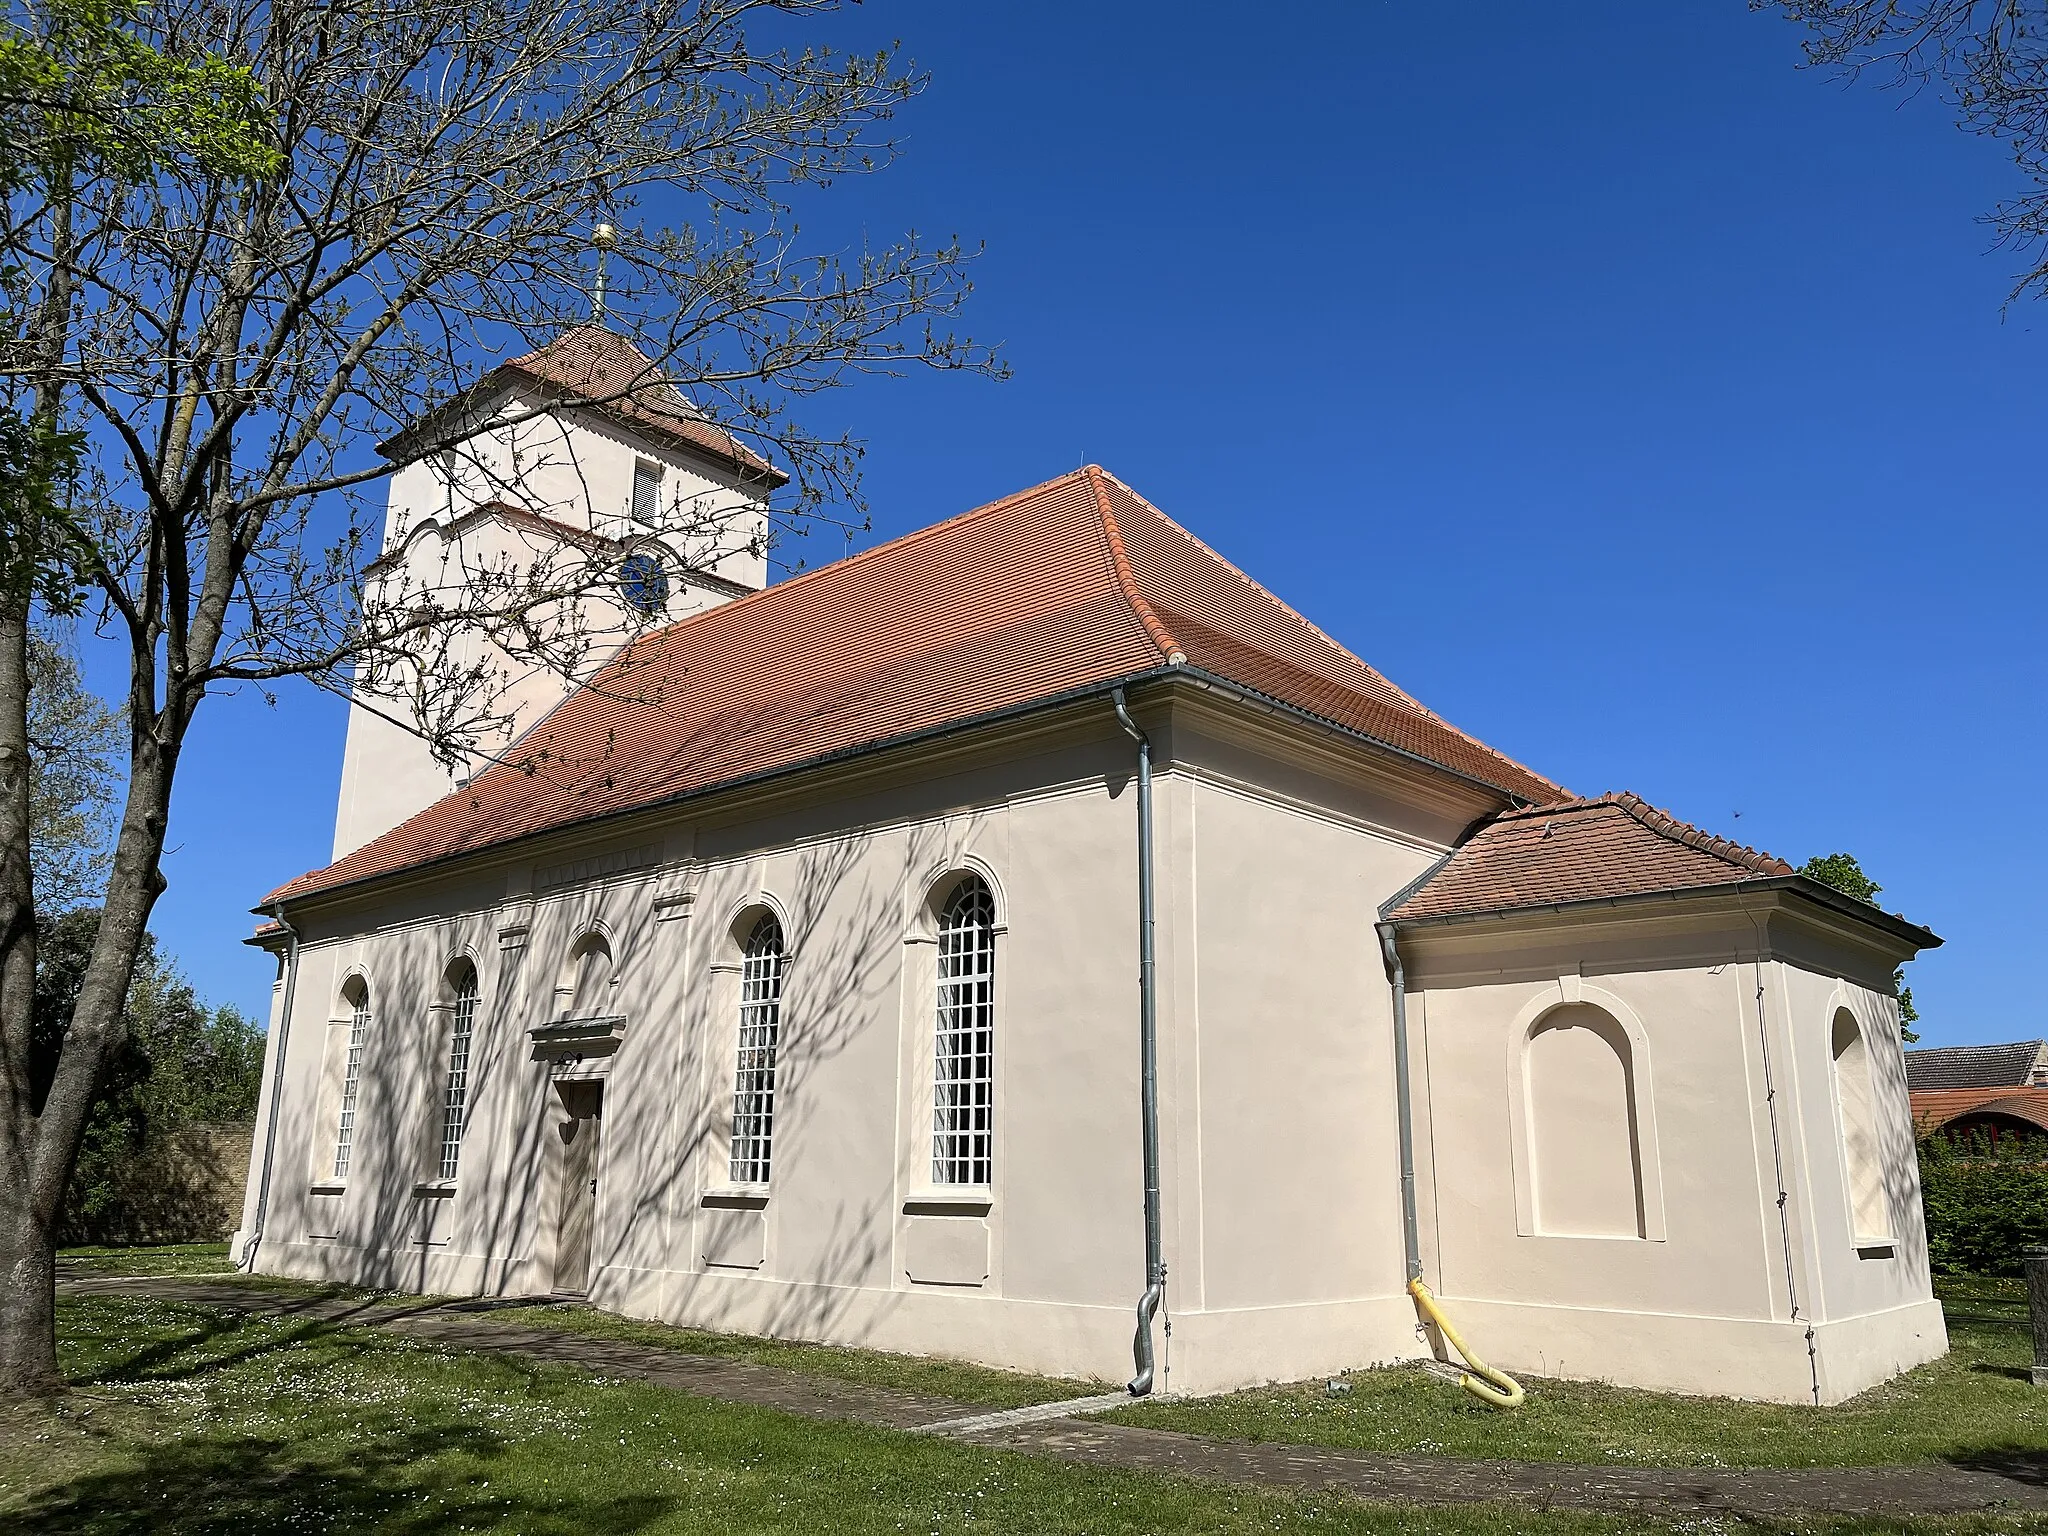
x=1490, y=1386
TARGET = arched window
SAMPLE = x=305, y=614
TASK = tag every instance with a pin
x=1856, y=1105
x=964, y=1060
x=455, y=1101
x=753, y=1092
x=1582, y=1125
x=356, y=994
x=585, y=987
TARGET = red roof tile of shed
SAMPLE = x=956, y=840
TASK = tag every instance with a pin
x=1074, y=584
x=1580, y=850
x=1934, y=1108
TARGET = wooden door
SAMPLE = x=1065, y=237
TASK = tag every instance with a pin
x=576, y=1215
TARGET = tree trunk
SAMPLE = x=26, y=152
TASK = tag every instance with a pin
x=28, y=1221
x=28, y=1332
x=28, y=1297
x=39, y=1149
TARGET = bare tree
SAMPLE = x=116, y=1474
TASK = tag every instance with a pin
x=231, y=341
x=1989, y=58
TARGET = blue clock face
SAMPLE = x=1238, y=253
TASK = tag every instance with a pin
x=643, y=583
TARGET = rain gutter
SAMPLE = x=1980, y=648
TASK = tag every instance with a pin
x=1148, y=1054
x=247, y=1260
x=1195, y=675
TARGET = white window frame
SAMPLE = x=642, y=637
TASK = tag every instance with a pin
x=649, y=473
x=455, y=1094
x=351, y=1081
x=764, y=969
x=963, y=1138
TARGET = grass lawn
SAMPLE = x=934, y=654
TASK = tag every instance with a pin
x=1975, y=1400
x=910, y=1373
x=187, y=1420
x=171, y=1259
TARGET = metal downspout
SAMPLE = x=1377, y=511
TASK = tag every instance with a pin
x=1404, y=1113
x=1763, y=1036
x=1148, y=1046
x=284, y=1029
x=1494, y=1387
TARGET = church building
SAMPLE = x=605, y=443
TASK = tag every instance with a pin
x=1029, y=932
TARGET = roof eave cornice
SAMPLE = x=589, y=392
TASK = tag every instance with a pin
x=404, y=444
x=366, y=883
x=1801, y=886
x=1181, y=672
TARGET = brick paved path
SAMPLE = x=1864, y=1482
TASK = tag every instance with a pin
x=2016, y=1484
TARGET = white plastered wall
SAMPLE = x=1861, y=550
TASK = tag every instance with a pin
x=1281, y=1215
x=1282, y=1222
x=851, y=1243
x=1712, y=1293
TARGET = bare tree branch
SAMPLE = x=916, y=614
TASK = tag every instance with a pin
x=230, y=337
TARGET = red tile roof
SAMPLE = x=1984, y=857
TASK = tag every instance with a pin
x=1580, y=850
x=603, y=369
x=1075, y=584
x=1934, y=1108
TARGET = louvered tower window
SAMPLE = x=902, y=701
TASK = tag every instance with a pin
x=753, y=1093
x=646, y=492
x=455, y=1102
x=963, y=1072
x=351, y=1081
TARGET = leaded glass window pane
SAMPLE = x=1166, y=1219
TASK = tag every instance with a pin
x=963, y=1074
x=351, y=1084
x=753, y=1094
x=455, y=1102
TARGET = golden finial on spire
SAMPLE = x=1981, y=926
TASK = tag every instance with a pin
x=604, y=238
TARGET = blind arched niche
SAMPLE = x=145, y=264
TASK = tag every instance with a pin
x=1856, y=1111
x=1582, y=1119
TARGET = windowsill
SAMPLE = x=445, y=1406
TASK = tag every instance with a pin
x=434, y=1189
x=1876, y=1248
x=959, y=1200
x=744, y=1197
x=328, y=1187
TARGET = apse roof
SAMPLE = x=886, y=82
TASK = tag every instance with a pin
x=1069, y=587
x=1603, y=848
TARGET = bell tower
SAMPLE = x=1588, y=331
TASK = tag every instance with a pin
x=581, y=453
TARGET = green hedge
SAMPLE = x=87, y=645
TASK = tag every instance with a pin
x=1984, y=1203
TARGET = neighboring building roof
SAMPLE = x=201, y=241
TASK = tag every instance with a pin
x=606, y=372
x=1935, y=1108
x=1976, y=1066
x=1074, y=585
x=1579, y=850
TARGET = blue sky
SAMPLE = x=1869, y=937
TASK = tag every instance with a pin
x=1641, y=402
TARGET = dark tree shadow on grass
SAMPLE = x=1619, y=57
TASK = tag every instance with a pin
x=2020, y=1466
x=190, y=1353
x=251, y=1484
x=2017, y=1324
x=370, y=1479
x=2015, y=1372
